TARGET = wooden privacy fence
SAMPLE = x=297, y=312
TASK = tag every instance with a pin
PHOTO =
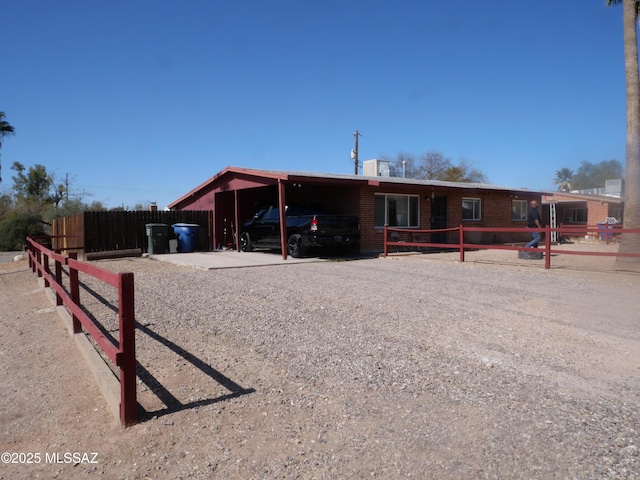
x=123, y=352
x=109, y=231
x=572, y=231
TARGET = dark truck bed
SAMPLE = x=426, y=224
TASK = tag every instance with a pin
x=307, y=227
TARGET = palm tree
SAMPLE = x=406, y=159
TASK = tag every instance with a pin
x=5, y=131
x=631, y=243
x=563, y=179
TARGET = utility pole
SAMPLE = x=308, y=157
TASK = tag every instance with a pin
x=354, y=152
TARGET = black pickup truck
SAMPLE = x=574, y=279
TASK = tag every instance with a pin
x=307, y=227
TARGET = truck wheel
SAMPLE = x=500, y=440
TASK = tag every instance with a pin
x=294, y=245
x=245, y=243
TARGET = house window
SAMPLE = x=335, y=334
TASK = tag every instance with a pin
x=397, y=211
x=471, y=209
x=519, y=210
x=575, y=215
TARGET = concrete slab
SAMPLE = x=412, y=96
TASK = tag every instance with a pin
x=230, y=259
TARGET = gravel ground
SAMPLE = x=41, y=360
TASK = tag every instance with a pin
x=409, y=366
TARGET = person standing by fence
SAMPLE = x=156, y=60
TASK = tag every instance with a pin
x=533, y=221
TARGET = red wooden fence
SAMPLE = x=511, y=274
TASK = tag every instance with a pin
x=121, y=353
x=548, y=251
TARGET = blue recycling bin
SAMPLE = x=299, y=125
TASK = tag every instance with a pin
x=187, y=234
x=604, y=231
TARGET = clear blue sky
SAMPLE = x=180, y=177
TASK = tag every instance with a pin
x=143, y=100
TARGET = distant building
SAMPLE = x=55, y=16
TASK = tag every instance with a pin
x=612, y=188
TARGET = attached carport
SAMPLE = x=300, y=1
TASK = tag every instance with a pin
x=235, y=194
x=566, y=212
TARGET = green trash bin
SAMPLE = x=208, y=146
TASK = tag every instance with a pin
x=158, y=238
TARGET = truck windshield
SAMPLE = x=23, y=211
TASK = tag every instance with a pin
x=260, y=213
x=272, y=214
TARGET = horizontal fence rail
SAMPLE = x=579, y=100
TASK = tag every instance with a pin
x=121, y=352
x=611, y=231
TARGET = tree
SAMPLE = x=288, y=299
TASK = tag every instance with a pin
x=34, y=201
x=631, y=243
x=463, y=172
x=563, y=179
x=591, y=175
x=433, y=165
x=33, y=189
x=17, y=227
x=141, y=206
x=66, y=208
x=5, y=131
x=6, y=204
x=37, y=192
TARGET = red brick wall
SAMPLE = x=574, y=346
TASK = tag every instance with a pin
x=596, y=212
x=496, y=212
x=371, y=238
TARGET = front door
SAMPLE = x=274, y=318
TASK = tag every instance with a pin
x=439, y=219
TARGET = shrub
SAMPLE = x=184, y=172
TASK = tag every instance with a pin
x=16, y=228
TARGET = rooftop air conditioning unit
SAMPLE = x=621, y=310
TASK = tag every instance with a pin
x=614, y=187
x=377, y=168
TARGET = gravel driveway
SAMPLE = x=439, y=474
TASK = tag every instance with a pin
x=410, y=366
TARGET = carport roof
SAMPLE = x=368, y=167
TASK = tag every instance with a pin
x=332, y=178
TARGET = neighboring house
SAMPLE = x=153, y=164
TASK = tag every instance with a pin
x=235, y=194
x=581, y=209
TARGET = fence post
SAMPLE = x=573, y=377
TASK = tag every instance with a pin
x=74, y=290
x=462, y=243
x=385, y=239
x=47, y=269
x=58, y=280
x=547, y=247
x=38, y=261
x=34, y=259
x=128, y=399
